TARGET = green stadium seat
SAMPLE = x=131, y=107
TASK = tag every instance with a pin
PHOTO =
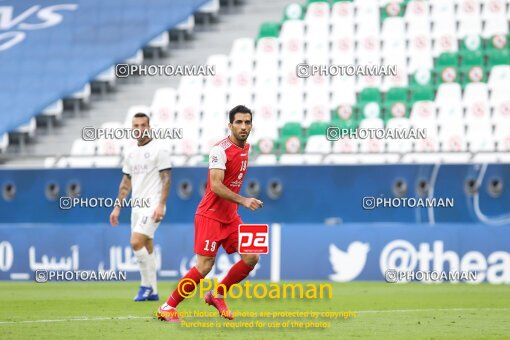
x=291, y=129
x=422, y=93
x=369, y=110
x=473, y=74
x=396, y=94
x=471, y=58
x=269, y=30
x=265, y=146
x=370, y=94
x=421, y=78
x=447, y=59
x=369, y=103
x=294, y=11
x=317, y=128
x=497, y=42
x=351, y=124
x=472, y=43
x=343, y=117
x=446, y=68
x=312, y=1
x=472, y=69
x=498, y=57
x=396, y=103
x=392, y=9
x=395, y=110
x=291, y=144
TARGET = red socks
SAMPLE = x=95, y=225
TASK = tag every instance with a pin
x=185, y=287
x=237, y=273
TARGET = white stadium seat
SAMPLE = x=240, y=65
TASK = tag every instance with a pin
x=162, y=41
x=420, y=50
x=163, y=107
x=494, y=17
x=135, y=59
x=417, y=13
x=266, y=111
x=292, y=159
x=502, y=137
x=54, y=110
x=468, y=16
x=372, y=145
x=318, y=144
x=394, y=43
x=342, y=13
x=453, y=138
x=242, y=52
x=268, y=159
x=210, y=7
x=399, y=145
x=27, y=128
x=449, y=102
x=292, y=41
x=499, y=77
x=4, y=142
x=187, y=24
x=480, y=138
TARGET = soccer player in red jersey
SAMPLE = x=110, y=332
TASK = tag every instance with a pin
x=216, y=218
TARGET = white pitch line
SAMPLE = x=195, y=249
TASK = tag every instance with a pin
x=427, y=310
x=76, y=319
x=360, y=312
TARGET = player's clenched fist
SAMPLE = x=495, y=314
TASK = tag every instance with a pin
x=252, y=204
x=114, y=217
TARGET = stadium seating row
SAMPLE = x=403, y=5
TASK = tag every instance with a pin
x=53, y=55
x=454, y=88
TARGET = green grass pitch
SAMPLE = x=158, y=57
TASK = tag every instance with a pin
x=384, y=311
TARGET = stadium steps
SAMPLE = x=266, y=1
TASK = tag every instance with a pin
x=212, y=38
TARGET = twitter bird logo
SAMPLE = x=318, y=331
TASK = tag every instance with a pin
x=348, y=265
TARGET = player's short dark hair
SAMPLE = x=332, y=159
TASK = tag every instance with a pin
x=142, y=115
x=238, y=109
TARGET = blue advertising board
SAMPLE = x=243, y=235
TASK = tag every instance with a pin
x=339, y=253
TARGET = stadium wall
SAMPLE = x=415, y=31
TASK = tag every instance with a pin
x=309, y=194
x=297, y=251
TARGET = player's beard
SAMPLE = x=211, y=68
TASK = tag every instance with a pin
x=242, y=138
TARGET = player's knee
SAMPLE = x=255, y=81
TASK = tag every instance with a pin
x=136, y=244
x=251, y=259
x=204, y=265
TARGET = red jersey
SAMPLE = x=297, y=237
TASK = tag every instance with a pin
x=234, y=160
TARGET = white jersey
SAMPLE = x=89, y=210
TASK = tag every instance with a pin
x=143, y=164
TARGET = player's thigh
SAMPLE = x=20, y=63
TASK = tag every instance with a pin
x=142, y=223
x=231, y=231
x=208, y=236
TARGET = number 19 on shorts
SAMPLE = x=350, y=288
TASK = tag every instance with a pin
x=253, y=239
x=210, y=246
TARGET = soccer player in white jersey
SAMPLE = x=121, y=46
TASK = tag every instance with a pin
x=147, y=172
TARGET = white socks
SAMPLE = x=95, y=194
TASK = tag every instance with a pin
x=151, y=267
x=143, y=257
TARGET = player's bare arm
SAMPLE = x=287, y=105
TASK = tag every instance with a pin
x=217, y=186
x=124, y=189
x=166, y=180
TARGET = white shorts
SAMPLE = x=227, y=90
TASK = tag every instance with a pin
x=142, y=222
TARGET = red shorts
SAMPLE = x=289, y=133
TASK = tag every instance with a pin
x=210, y=234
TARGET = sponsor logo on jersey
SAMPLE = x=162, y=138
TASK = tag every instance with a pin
x=140, y=169
x=236, y=183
